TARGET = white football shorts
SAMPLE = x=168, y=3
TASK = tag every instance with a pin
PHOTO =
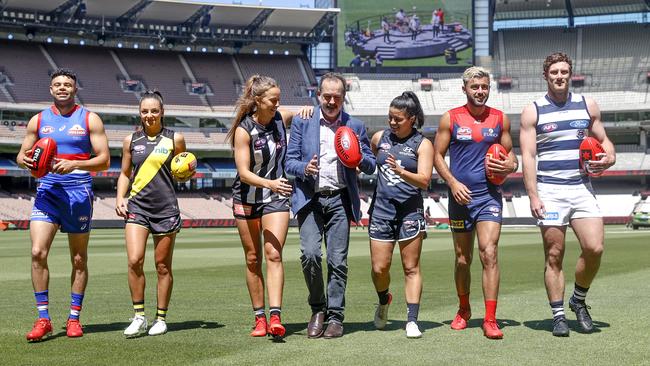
x=565, y=202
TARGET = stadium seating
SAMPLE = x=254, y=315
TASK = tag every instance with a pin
x=288, y=71
x=28, y=69
x=220, y=74
x=162, y=71
x=97, y=72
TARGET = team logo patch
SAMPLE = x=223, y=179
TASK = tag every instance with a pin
x=489, y=132
x=47, y=130
x=551, y=216
x=494, y=210
x=77, y=130
x=457, y=224
x=241, y=210
x=464, y=134
x=36, y=213
x=260, y=143
x=384, y=146
x=579, y=124
x=130, y=216
x=580, y=134
x=549, y=127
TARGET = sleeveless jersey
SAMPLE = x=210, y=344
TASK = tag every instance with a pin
x=394, y=197
x=268, y=147
x=152, y=188
x=560, y=130
x=72, y=137
x=470, y=139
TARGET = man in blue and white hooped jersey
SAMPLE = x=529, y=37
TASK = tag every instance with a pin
x=560, y=193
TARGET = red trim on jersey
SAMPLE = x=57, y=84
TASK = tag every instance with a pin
x=88, y=122
x=38, y=124
x=55, y=110
x=81, y=156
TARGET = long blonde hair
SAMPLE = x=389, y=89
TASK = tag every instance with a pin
x=256, y=86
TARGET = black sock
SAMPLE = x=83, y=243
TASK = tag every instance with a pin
x=412, y=311
x=383, y=297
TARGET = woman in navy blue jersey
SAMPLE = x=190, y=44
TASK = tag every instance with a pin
x=405, y=165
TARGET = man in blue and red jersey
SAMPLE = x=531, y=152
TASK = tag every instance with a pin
x=475, y=204
x=64, y=198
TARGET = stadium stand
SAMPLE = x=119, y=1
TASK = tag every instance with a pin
x=28, y=69
x=98, y=75
x=220, y=73
x=162, y=71
x=288, y=71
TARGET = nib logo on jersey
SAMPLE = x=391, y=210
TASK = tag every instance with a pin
x=77, y=130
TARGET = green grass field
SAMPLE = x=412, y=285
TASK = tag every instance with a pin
x=353, y=10
x=210, y=313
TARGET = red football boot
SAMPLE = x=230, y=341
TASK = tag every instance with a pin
x=460, y=321
x=275, y=327
x=73, y=328
x=491, y=329
x=261, y=327
x=42, y=327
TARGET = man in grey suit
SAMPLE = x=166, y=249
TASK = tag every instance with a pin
x=325, y=200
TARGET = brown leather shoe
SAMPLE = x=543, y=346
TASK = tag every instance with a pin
x=334, y=330
x=315, y=326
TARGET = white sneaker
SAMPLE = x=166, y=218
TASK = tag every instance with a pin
x=158, y=327
x=412, y=330
x=381, y=313
x=138, y=326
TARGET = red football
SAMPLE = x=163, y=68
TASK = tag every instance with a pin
x=347, y=147
x=494, y=153
x=589, y=150
x=43, y=154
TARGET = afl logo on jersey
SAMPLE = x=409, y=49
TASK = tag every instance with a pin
x=138, y=149
x=549, y=127
x=77, y=130
x=464, y=133
x=384, y=146
x=45, y=130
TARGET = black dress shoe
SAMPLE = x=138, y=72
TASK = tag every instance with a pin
x=334, y=330
x=315, y=326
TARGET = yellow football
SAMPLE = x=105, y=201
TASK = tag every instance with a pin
x=183, y=165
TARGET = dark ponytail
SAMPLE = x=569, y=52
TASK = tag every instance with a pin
x=409, y=103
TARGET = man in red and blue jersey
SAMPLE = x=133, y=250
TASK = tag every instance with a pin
x=475, y=204
x=64, y=197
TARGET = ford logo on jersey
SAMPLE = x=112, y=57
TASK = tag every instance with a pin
x=581, y=123
x=549, y=127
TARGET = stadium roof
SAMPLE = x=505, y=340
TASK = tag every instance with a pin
x=178, y=12
x=531, y=9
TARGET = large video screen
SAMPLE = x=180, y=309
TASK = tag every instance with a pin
x=413, y=33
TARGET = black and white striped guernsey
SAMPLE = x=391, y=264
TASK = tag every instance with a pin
x=268, y=147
